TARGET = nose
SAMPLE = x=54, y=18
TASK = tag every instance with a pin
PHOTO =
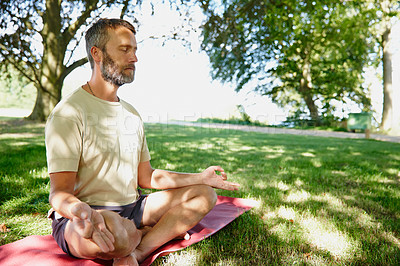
x=133, y=57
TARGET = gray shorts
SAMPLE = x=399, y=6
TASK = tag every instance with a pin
x=133, y=212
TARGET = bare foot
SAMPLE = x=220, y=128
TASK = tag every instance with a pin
x=126, y=261
x=145, y=230
x=182, y=236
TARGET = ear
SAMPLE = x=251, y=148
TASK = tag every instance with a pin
x=96, y=53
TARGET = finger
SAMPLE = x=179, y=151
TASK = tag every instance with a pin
x=230, y=186
x=100, y=225
x=218, y=168
x=109, y=241
x=108, y=235
x=101, y=242
x=87, y=229
x=224, y=176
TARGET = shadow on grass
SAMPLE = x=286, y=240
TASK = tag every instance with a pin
x=325, y=200
x=23, y=172
x=322, y=200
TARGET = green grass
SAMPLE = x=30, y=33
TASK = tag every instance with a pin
x=24, y=183
x=321, y=200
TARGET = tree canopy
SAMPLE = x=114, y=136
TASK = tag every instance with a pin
x=38, y=39
x=304, y=54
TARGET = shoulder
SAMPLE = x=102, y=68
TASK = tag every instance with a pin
x=69, y=107
x=129, y=108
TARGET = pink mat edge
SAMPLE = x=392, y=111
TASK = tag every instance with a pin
x=242, y=204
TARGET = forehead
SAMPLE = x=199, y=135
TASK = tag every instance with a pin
x=121, y=36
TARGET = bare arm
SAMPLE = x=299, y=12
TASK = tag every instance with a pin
x=162, y=179
x=61, y=195
x=89, y=222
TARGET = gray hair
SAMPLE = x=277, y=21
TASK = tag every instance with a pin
x=97, y=35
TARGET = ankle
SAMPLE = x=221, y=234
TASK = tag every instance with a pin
x=139, y=255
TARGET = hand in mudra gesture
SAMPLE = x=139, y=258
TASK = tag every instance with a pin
x=211, y=178
x=91, y=225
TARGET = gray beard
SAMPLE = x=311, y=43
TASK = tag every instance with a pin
x=111, y=73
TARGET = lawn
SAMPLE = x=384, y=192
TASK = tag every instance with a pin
x=321, y=200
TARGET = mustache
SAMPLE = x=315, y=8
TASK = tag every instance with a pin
x=130, y=66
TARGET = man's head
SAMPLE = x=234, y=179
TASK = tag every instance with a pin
x=98, y=34
x=111, y=45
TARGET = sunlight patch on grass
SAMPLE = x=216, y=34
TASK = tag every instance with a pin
x=341, y=173
x=261, y=184
x=298, y=196
x=392, y=171
x=24, y=225
x=287, y=158
x=269, y=149
x=282, y=186
x=39, y=173
x=360, y=217
x=391, y=238
x=322, y=234
x=20, y=135
x=230, y=158
x=19, y=143
x=15, y=203
x=388, y=181
x=298, y=182
x=272, y=156
x=357, y=215
x=331, y=200
x=307, y=154
x=182, y=258
x=318, y=232
x=286, y=213
x=272, y=153
x=237, y=148
x=316, y=162
x=37, y=223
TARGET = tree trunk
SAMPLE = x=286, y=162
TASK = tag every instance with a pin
x=305, y=90
x=387, y=112
x=52, y=67
x=45, y=102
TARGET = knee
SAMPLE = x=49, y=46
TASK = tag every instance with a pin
x=208, y=196
x=127, y=236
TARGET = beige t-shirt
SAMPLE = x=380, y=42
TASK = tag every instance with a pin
x=103, y=142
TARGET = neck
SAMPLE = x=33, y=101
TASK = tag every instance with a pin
x=102, y=89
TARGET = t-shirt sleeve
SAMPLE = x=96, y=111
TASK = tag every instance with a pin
x=63, y=144
x=145, y=154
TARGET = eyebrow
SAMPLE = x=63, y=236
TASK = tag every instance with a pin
x=127, y=46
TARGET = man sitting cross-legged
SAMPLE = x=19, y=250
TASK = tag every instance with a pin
x=98, y=158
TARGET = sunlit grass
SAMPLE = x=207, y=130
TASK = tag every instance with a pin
x=24, y=182
x=322, y=201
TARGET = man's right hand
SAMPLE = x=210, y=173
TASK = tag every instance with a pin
x=91, y=225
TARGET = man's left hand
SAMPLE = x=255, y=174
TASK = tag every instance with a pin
x=211, y=178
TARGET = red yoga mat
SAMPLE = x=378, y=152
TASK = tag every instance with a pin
x=43, y=250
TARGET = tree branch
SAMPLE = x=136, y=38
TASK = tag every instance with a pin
x=16, y=65
x=70, y=32
x=125, y=4
x=73, y=66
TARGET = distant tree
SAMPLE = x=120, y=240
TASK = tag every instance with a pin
x=303, y=54
x=386, y=10
x=38, y=38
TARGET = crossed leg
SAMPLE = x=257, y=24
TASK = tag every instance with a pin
x=126, y=235
x=172, y=213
